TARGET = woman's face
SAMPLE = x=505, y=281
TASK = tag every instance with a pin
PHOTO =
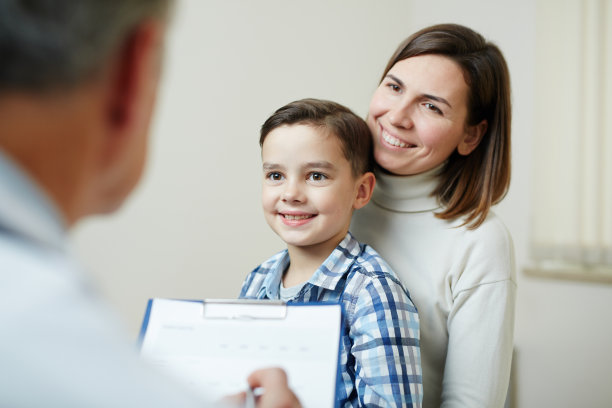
x=418, y=115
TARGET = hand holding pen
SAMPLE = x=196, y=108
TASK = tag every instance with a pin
x=272, y=391
x=276, y=392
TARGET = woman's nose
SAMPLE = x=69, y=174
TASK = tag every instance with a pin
x=401, y=116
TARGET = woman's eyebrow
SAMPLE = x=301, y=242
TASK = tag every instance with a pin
x=427, y=96
x=438, y=99
x=396, y=79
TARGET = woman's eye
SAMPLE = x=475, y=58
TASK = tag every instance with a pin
x=315, y=176
x=274, y=176
x=393, y=87
x=433, y=108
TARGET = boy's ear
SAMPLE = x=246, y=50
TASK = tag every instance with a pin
x=472, y=138
x=365, y=187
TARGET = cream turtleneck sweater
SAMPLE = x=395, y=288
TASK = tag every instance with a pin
x=462, y=282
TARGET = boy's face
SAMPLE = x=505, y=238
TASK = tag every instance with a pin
x=309, y=191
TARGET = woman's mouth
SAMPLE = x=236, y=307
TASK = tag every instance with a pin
x=394, y=141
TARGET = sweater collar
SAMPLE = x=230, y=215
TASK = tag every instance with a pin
x=407, y=193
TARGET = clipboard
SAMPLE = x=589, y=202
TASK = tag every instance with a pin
x=212, y=345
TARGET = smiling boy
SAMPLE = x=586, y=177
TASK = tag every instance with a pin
x=317, y=162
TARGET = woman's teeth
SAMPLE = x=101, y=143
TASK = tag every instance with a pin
x=393, y=140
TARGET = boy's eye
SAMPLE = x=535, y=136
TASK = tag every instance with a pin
x=316, y=176
x=274, y=176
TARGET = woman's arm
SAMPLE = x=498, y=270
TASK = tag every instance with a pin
x=480, y=343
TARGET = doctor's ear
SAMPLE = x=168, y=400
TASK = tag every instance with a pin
x=365, y=187
x=472, y=138
x=134, y=74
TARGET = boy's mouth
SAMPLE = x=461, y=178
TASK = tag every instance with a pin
x=297, y=217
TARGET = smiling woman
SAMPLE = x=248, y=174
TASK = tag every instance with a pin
x=440, y=120
x=418, y=115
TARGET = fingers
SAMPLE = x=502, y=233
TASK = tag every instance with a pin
x=268, y=376
x=276, y=392
x=234, y=400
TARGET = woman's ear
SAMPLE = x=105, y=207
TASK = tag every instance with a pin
x=473, y=136
x=365, y=187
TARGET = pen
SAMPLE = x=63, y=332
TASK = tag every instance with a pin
x=250, y=398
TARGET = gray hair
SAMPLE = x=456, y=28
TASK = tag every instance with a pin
x=47, y=44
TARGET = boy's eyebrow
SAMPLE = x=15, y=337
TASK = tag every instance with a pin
x=323, y=164
x=320, y=165
x=427, y=96
x=271, y=166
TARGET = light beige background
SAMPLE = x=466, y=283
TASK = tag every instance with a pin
x=194, y=227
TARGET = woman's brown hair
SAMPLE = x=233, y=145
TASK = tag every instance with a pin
x=470, y=185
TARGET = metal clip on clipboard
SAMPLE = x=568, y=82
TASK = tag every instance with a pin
x=244, y=309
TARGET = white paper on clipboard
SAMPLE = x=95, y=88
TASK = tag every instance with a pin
x=213, y=345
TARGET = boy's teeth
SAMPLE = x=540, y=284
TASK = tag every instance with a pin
x=393, y=141
x=296, y=217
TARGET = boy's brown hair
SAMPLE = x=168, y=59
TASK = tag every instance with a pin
x=335, y=119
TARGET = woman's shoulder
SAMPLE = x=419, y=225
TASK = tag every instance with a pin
x=492, y=231
x=487, y=252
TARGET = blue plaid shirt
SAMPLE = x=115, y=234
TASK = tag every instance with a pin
x=380, y=360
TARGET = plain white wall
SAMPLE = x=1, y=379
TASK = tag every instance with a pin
x=194, y=228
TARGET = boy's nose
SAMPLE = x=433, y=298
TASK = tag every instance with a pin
x=292, y=193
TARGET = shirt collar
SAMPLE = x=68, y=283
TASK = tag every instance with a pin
x=327, y=276
x=407, y=193
x=271, y=283
x=337, y=264
x=25, y=210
